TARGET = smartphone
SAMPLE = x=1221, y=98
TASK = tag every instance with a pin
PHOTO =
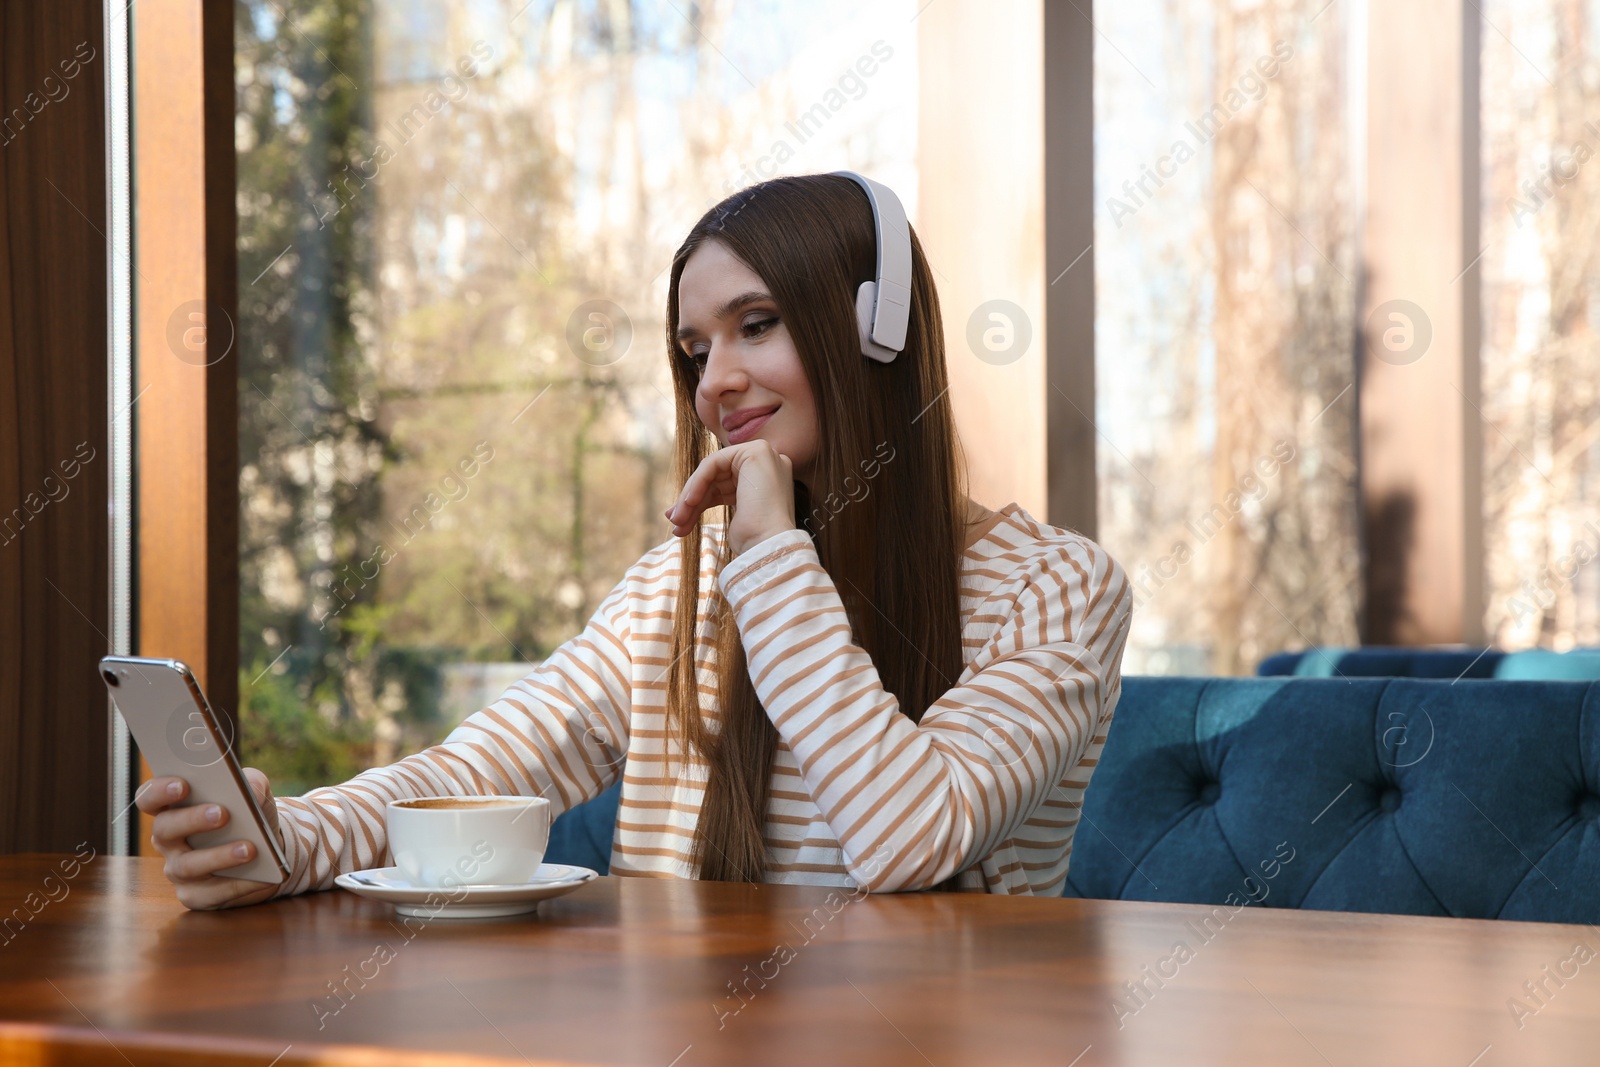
x=179, y=735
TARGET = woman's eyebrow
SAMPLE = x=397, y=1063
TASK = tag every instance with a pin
x=726, y=308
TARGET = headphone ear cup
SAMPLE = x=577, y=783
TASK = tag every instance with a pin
x=866, y=297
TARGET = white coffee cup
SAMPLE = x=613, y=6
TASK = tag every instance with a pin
x=477, y=840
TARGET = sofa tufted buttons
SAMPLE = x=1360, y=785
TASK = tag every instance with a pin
x=1389, y=800
x=1589, y=806
x=1209, y=792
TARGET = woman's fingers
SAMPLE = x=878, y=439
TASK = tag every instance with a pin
x=258, y=784
x=200, y=863
x=754, y=476
x=173, y=827
x=262, y=788
x=687, y=511
x=159, y=794
x=712, y=483
x=718, y=478
x=200, y=874
x=685, y=514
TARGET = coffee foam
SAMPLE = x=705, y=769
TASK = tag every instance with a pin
x=453, y=804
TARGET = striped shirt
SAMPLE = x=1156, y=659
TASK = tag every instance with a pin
x=988, y=786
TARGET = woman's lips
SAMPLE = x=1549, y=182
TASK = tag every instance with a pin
x=748, y=428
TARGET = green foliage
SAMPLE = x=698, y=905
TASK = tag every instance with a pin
x=403, y=502
x=287, y=737
x=312, y=452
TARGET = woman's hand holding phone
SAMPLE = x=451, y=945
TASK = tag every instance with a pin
x=200, y=875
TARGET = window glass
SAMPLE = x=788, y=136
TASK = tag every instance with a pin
x=1541, y=312
x=1225, y=264
x=455, y=224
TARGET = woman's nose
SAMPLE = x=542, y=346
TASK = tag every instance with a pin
x=724, y=373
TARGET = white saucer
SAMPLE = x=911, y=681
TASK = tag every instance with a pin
x=467, y=901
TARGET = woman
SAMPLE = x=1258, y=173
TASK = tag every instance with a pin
x=863, y=678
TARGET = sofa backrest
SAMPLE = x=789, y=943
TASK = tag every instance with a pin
x=1578, y=664
x=1537, y=664
x=1384, y=662
x=1477, y=798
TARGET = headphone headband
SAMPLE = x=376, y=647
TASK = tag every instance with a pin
x=883, y=305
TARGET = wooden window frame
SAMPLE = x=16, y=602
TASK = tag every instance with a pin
x=1421, y=448
x=184, y=178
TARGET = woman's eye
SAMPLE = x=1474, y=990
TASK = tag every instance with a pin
x=760, y=326
x=755, y=328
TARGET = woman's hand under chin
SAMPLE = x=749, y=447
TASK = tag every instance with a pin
x=753, y=477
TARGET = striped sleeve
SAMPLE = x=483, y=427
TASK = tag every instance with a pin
x=912, y=804
x=561, y=732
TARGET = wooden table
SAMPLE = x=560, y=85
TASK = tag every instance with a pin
x=640, y=971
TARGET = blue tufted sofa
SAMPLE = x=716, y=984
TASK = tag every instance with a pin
x=1475, y=798
x=583, y=834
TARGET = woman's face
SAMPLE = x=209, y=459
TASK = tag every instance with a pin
x=751, y=384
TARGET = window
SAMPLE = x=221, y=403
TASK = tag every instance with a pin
x=1541, y=310
x=454, y=227
x=1226, y=261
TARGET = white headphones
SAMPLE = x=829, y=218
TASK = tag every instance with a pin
x=883, y=306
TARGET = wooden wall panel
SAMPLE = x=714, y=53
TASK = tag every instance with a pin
x=54, y=601
x=981, y=219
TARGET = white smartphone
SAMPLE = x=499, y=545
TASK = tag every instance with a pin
x=180, y=736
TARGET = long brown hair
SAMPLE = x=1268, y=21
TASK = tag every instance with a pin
x=891, y=541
